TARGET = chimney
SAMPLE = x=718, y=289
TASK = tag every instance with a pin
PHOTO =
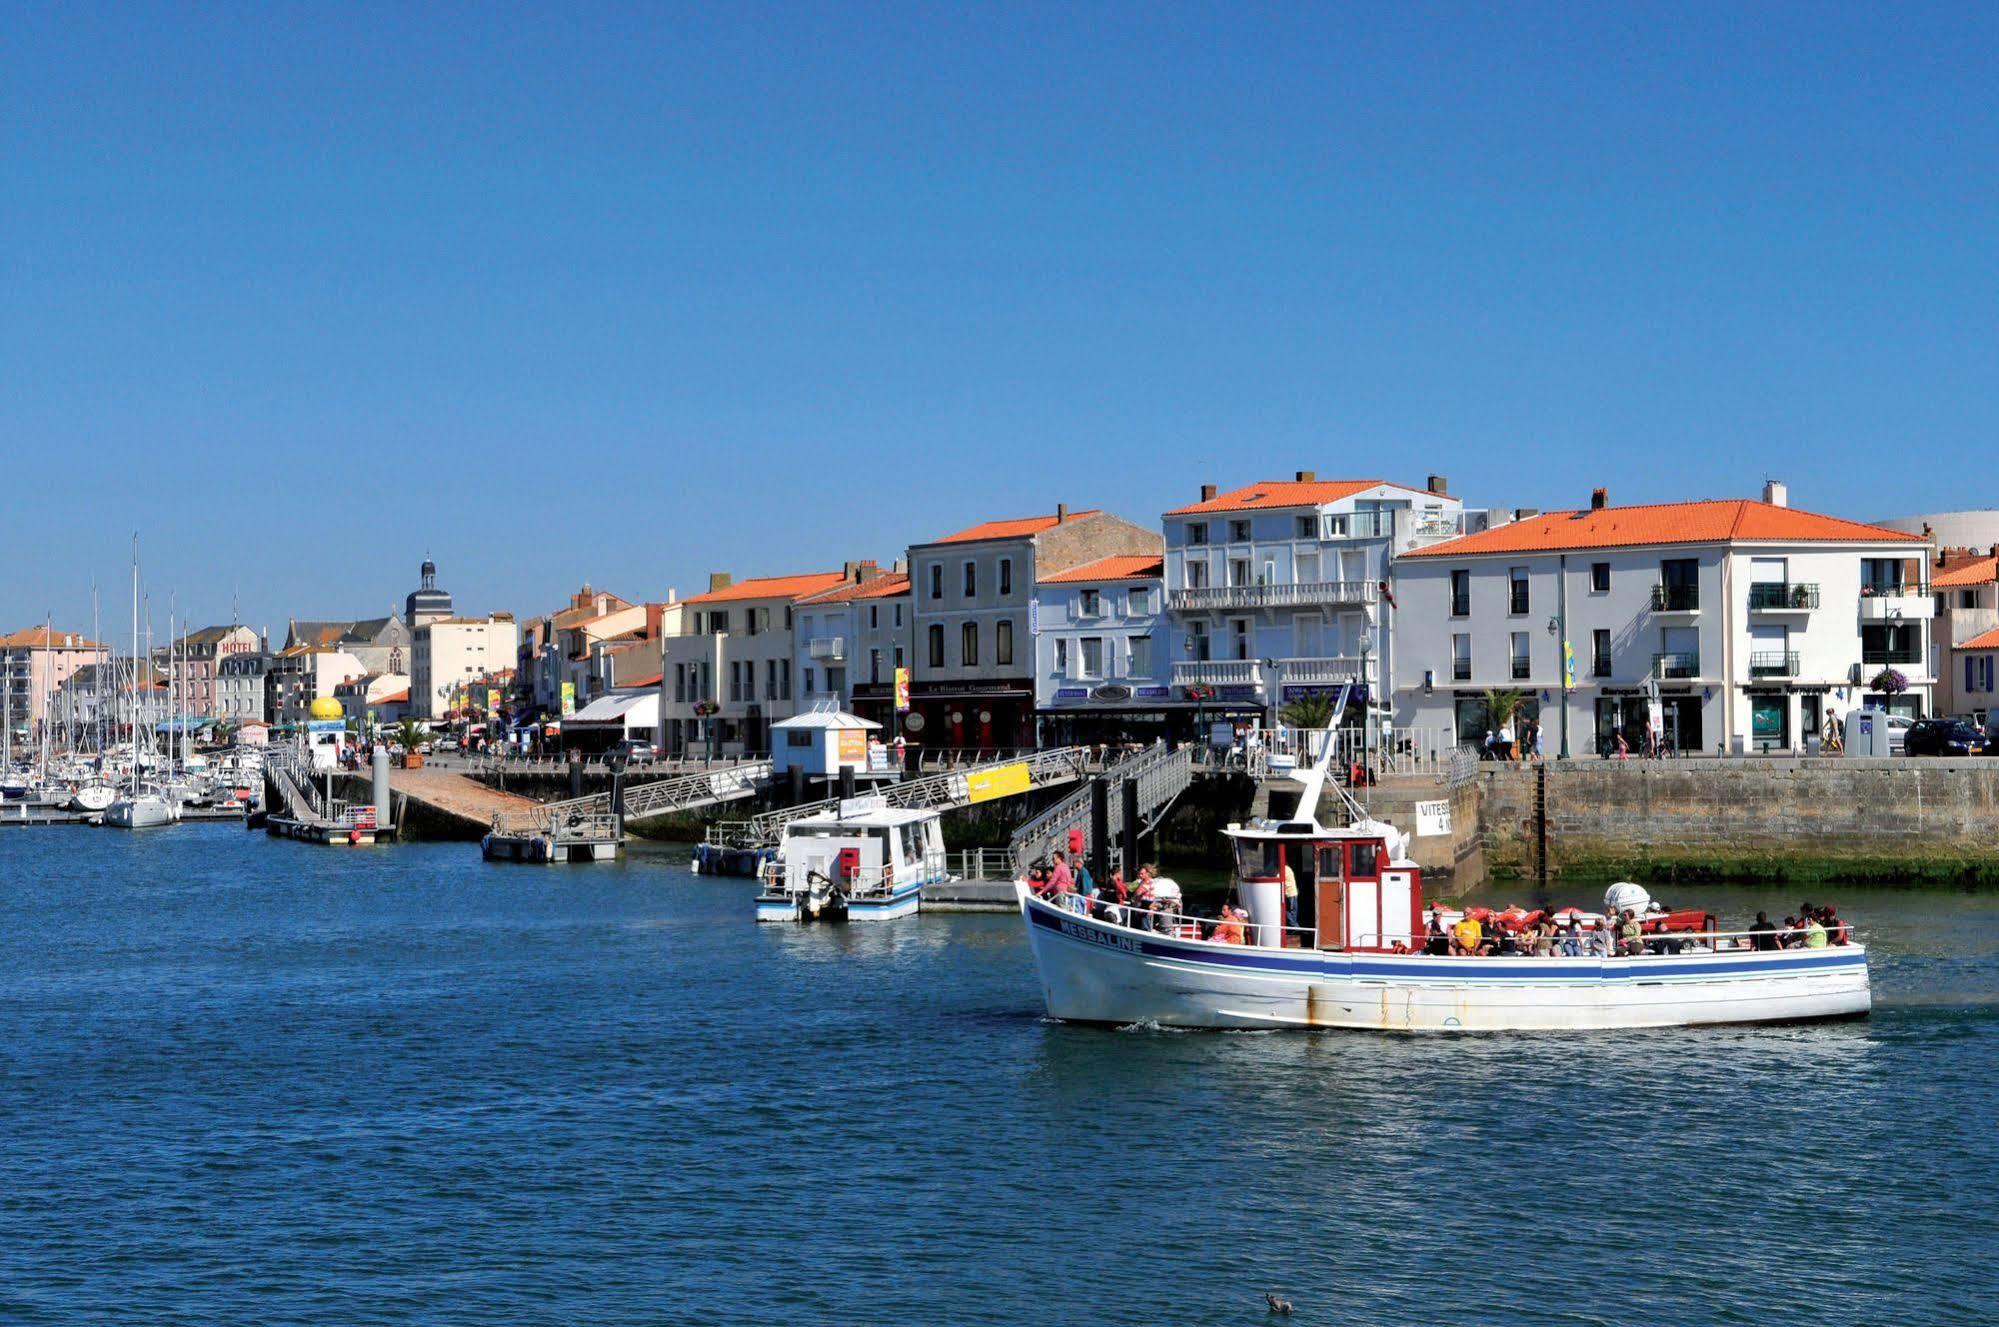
x=1599, y=498
x=1438, y=484
x=1061, y=512
x=868, y=570
x=719, y=580
x=1775, y=494
x=1207, y=492
x=1307, y=476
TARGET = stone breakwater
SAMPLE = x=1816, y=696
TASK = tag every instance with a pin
x=1827, y=820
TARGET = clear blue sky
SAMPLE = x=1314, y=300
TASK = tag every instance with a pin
x=301, y=292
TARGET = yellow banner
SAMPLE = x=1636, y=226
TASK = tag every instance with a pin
x=1006, y=781
x=493, y=698
x=902, y=690
x=568, y=699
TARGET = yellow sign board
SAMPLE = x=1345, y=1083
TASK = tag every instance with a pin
x=493, y=698
x=1006, y=781
x=853, y=746
x=902, y=690
x=568, y=699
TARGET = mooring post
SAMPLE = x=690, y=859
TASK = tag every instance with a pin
x=1100, y=831
x=575, y=774
x=846, y=781
x=384, y=813
x=797, y=781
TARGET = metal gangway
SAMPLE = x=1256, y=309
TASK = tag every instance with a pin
x=685, y=792
x=286, y=770
x=1161, y=775
x=960, y=787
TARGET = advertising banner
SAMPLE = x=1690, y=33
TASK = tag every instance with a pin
x=853, y=746
x=902, y=690
x=568, y=699
x=1006, y=781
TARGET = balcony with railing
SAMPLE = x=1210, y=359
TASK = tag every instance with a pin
x=832, y=649
x=1676, y=598
x=1782, y=597
x=1773, y=663
x=1324, y=670
x=1676, y=665
x=1896, y=603
x=1314, y=594
x=1894, y=655
x=1218, y=673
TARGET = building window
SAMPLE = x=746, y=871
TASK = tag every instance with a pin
x=936, y=646
x=798, y=737
x=1061, y=656
x=1238, y=572
x=784, y=677
x=1461, y=594
x=1003, y=642
x=1967, y=598
x=1308, y=527
x=1197, y=532
x=1141, y=656
x=1089, y=603
x=1006, y=576
x=1522, y=665
x=936, y=580
x=898, y=615
x=968, y=645
x=1197, y=573
x=1093, y=656
x=1461, y=658
x=1138, y=603
x=1516, y=601
x=971, y=580
x=874, y=665
x=1238, y=532
x=1599, y=652
x=898, y=653
x=1599, y=577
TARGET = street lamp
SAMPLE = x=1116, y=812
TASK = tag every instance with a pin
x=1366, y=703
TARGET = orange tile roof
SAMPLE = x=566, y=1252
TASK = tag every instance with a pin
x=1716, y=521
x=772, y=587
x=885, y=586
x=1273, y=493
x=43, y=638
x=649, y=680
x=1982, y=572
x=1026, y=525
x=394, y=699
x=1987, y=640
x=1117, y=567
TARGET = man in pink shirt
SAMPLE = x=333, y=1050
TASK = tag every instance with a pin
x=1060, y=882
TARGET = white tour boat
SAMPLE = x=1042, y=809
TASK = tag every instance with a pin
x=866, y=861
x=1348, y=963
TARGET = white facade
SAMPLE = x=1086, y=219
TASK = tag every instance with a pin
x=1274, y=588
x=449, y=653
x=732, y=671
x=239, y=685
x=1746, y=639
x=1100, y=650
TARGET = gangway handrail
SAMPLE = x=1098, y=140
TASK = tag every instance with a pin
x=940, y=791
x=1162, y=774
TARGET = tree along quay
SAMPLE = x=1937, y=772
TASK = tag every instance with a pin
x=1797, y=820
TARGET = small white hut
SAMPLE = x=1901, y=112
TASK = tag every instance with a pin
x=821, y=742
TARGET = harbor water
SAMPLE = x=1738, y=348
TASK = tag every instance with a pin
x=246, y=1081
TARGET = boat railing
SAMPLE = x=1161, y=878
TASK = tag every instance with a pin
x=870, y=882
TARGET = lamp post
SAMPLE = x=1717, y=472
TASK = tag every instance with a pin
x=1558, y=627
x=1367, y=704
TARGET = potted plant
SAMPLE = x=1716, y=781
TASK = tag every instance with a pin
x=410, y=735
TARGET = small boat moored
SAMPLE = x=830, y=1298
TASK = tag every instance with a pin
x=866, y=861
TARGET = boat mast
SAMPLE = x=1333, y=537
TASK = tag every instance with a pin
x=135, y=667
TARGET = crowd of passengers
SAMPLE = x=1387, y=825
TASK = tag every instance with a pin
x=1478, y=933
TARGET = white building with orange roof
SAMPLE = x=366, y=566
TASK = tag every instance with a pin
x=731, y=672
x=831, y=659
x=1102, y=672
x=1967, y=628
x=1274, y=588
x=972, y=594
x=1747, y=623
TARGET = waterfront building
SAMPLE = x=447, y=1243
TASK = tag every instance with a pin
x=33, y=664
x=729, y=674
x=972, y=674
x=622, y=715
x=370, y=697
x=1966, y=584
x=302, y=674
x=882, y=629
x=827, y=653
x=449, y=652
x=195, y=662
x=1274, y=589
x=102, y=690
x=1102, y=672
x=382, y=644
x=1751, y=621
x=557, y=650
x=239, y=685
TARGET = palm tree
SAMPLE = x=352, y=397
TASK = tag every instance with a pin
x=409, y=734
x=1308, y=712
x=1501, y=705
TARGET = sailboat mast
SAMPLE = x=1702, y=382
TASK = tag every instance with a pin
x=135, y=667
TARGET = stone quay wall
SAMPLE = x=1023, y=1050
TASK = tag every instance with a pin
x=1830, y=819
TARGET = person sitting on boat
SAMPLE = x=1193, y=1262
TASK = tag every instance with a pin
x=1763, y=933
x=1228, y=930
x=1118, y=888
x=1837, y=931
x=1437, y=940
x=1815, y=937
x=1467, y=937
x=1631, y=934
x=1572, y=938
x=1790, y=937
x=1544, y=938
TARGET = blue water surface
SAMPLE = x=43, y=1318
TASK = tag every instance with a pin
x=248, y=1081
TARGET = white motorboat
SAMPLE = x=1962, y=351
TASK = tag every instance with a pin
x=92, y=797
x=866, y=861
x=1350, y=959
x=146, y=808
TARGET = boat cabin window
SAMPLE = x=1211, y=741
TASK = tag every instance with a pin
x=1329, y=862
x=1259, y=859
x=1365, y=860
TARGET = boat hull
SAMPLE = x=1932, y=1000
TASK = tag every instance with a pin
x=139, y=813
x=791, y=907
x=1098, y=973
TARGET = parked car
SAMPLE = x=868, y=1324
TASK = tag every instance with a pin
x=634, y=752
x=1898, y=733
x=1943, y=737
